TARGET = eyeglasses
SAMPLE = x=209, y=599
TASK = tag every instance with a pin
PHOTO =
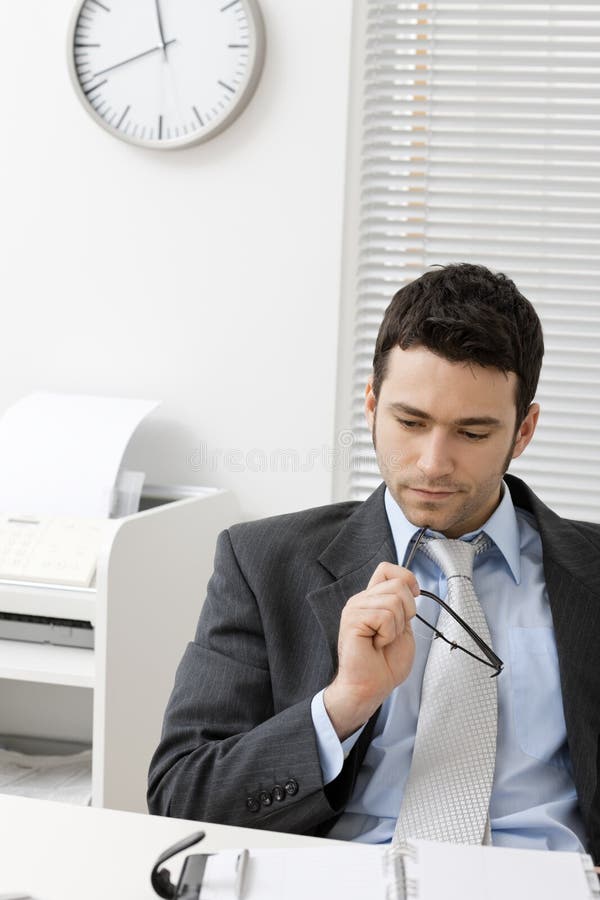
x=491, y=660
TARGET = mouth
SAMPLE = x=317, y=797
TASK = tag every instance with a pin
x=434, y=496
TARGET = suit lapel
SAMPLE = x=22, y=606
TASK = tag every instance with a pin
x=362, y=543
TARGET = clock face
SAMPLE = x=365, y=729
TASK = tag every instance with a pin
x=165, y=73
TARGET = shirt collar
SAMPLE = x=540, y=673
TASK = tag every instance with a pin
x=502, y=527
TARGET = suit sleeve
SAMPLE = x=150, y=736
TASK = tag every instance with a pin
x=225, y=755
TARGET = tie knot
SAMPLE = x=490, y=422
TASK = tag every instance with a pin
x=455, y=557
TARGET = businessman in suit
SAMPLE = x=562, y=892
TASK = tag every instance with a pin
x=297, y=705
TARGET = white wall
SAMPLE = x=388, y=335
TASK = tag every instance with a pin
x=208, y=278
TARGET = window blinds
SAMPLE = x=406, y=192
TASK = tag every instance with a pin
x=480, y=143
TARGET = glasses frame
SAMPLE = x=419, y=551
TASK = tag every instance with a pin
x=491, y=660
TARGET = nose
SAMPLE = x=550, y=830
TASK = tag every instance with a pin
x=435, y=459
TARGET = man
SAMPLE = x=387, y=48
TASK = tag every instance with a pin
x=298, y=706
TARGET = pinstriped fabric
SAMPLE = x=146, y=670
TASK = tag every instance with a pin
x=450, y=780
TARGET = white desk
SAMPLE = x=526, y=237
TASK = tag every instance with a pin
x=60, y=852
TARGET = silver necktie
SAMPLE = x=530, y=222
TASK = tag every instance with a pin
x=448, y=790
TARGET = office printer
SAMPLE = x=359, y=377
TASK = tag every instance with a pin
x=48, y=571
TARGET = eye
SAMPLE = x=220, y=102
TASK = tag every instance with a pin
x=409, y=423
x=471, y=436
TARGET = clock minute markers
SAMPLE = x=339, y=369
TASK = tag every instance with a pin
x=95, y=87
x=133, y=58
x=125, y=111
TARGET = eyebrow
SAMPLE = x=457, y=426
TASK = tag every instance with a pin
x=420, y=414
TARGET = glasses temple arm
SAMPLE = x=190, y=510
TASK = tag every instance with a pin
x=494, y=661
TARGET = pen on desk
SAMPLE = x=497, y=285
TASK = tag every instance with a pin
x=240, y=873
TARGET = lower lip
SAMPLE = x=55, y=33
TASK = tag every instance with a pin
x=432, y=496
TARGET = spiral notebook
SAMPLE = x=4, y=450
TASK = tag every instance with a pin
x=426, y=870
x=419, y=870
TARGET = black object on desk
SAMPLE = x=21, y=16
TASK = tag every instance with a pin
x=192, y=872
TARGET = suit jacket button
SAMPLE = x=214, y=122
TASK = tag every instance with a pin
x=252, y=804
x=265, y=798
x=279, y=792
x=291, y=787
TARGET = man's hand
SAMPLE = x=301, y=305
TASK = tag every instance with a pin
x=376, y=647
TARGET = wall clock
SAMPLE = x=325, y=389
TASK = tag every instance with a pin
x=165, y=73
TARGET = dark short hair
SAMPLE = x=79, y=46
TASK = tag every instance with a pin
x=465, y=313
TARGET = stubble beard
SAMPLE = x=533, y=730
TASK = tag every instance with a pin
x=465, y=511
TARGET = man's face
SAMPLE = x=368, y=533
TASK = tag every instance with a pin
x=444, y=434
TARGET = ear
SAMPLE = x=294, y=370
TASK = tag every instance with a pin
x=370, y=403
x=526, y=429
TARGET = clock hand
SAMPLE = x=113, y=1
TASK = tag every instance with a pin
x=137, y=56
x=160, y=28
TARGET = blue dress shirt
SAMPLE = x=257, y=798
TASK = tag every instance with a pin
x=533, y=802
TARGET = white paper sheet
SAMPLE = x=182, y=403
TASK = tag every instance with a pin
x=60, y=454
x=352, y=873
x=490, y=873
x=433, y=871
x=67, y=779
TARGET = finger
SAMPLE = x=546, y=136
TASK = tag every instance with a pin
x=410, y=608
x=364, y=606
x=386, y=571
x=395, y=595
x=379, y=624
x=402, y=601
x=398, y=586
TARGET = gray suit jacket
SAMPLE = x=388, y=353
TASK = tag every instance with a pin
x=238, y=744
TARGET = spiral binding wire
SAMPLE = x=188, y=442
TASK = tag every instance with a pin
x=397, y=884
x=592, y=877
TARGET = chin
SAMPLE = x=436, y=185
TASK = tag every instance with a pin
x=431, y=520
x=420, y=515
x=428, y=515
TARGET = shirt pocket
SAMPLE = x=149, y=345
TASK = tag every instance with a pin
x=537, y=700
